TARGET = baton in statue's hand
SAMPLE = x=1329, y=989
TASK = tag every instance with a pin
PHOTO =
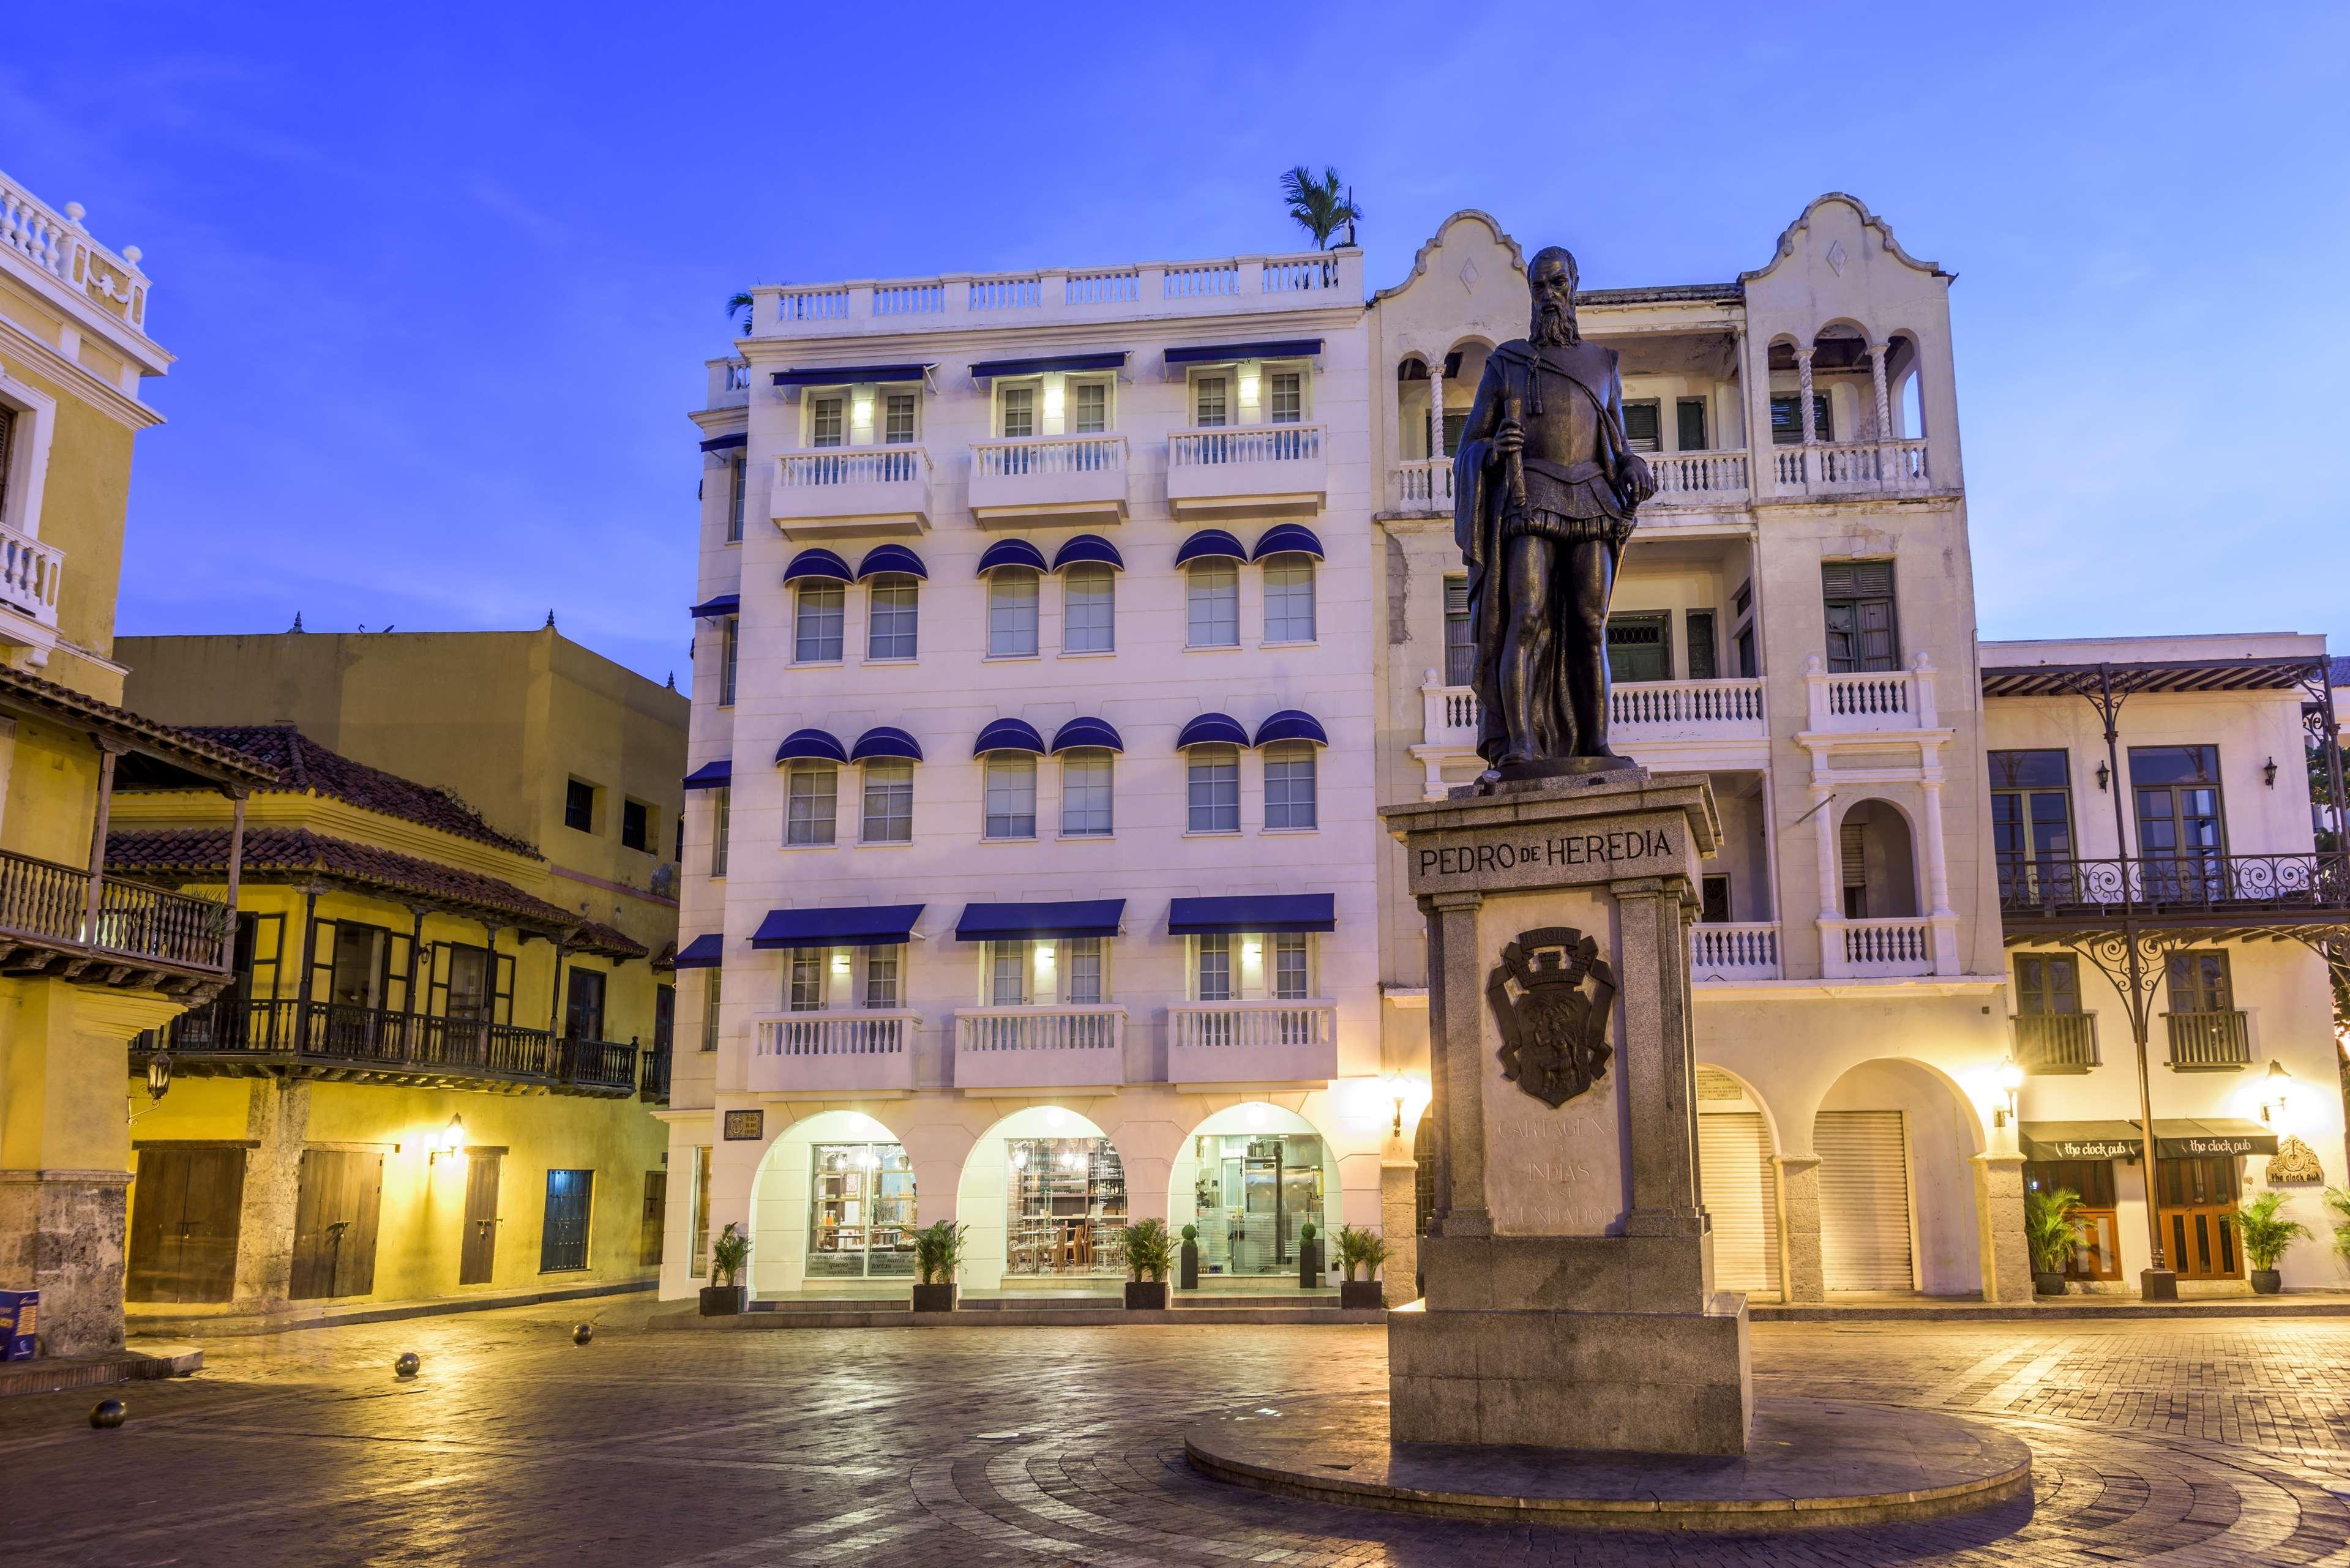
x=1513, y=466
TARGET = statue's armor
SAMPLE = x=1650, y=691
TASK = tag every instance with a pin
x=1568, y=494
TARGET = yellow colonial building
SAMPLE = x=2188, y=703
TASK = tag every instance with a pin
x=87, y=960
x=434, y=1073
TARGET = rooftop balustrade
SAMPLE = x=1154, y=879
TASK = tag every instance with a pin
x=58, y=246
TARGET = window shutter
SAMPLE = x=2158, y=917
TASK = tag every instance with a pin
x=1852, y=849
x=1690, y=415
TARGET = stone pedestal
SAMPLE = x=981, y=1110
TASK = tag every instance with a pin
x=1569, y=1261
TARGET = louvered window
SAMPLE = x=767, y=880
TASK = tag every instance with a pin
x=1863, y=631
x=1787, y=418
x=1460, y=635
x=1643, y=424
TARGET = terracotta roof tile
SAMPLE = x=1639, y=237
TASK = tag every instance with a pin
x=191, y=749
x=304, y=766
x=281, y=853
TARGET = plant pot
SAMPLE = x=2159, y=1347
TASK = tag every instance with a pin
x=1146, y=1296
x=1309, y=1265
x=2047, y=1284
x=1356, y=1296
x=2267, y=1282
x=1190, y=1266
x=934, y=1298
x=725, y=1300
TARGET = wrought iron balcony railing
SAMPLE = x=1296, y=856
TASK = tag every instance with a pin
x=2211, y=882
x=376, y=1041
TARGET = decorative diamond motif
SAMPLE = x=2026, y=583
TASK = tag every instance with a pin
x=1468, y=273
x=1836, y=257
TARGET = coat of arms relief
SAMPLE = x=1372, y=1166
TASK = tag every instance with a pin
x=1554, y=1025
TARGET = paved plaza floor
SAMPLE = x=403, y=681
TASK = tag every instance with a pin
x=2208, y=1442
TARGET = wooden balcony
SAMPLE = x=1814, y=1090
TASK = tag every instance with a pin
x=2055, y=1041
x=1267, y=1041
x=127, y=934
x=2209, y=1041
x=1060, y=1046
x=860, y=1051
x=652, y=1086
x=236, y=1037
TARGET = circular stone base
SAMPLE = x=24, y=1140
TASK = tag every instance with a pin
x=1809, y=1463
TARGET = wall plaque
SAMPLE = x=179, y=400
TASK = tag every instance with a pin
x=1502, y=856
x=743, y=1126
x=1553, y=1033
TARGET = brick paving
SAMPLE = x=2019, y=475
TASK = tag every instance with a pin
x=2207, y=1442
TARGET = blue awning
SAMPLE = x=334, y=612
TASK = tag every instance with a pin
x=1208, y=544
x=847, y=375
x=706, y=951
x=1290, y=725
x=1268, y=912
x=1288, y=539
x=1087, y=548
x=818, y=563
x=723, y=605
x=1217, y=353
x=1087, y=733
x=1008, y=736
x=1011, y=553
x=892, y=558
x=726, y=442
x=1008, y=922
x=886, y=740
x=810, y=745
x=875, y=926
x=712, y=776
x=987, y=370
x=1213, y=730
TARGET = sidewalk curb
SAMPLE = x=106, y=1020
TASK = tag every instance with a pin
x=48, y=1374
x=242, y=1325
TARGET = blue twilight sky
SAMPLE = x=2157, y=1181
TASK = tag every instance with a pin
x=441, y=279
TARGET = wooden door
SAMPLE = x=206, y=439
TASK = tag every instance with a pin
x=648, y=1244
x=183, y=1225
x=480, y=1258
x=2197, y=1215
x=335, y=1223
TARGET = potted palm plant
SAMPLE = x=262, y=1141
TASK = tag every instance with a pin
x=938, y=1259
x=2052, y=1228
x=1190, y=1276
x=1366, y=1250
x=2339, y=1201
x=729, y=1256
x=1310, y=1268
x=1146, y=1257
x=2265, y=1233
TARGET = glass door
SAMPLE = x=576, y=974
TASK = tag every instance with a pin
x=1253, y=1196
x=860, y=1211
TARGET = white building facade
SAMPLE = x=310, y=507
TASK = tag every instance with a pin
x=1060, y=635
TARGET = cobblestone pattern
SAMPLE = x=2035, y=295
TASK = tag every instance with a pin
x=2189, y=1446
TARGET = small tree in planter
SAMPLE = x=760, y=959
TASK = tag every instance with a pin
x=1147, y=1253
x=2052, y=1228
x=1310, y=1267
x=2265, y=1233
x=1189, y=1278
x=2339, y=1201
x=938, y=1259
x=1366, y=1250
x=729, y=1256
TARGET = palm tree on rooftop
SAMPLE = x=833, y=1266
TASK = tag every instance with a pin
x=739, y=304
x=1321, y=207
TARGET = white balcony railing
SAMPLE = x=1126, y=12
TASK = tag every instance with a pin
x=1254, y=1042
x=857, y=487
x=1239, y=445
x=1256, y=468
x=1636, y=710
x=29, y=571
x=1699, y=478
x=1852, y=468
x=862, y=1049
x=1876, y=949
x=1040, y=1047
x=1743, y=950
x=1053, y=477
x=1424, y=484
x=1225, y=286
x=1870, y=700
x=58, y=244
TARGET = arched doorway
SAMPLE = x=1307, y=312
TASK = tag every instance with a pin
x=1897, y=1210
x=1252, y=1177
x=1738, y=1184
x=1879, y=868
x=832, y=1207
x=1043, y=1195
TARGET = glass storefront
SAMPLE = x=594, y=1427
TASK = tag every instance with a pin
x=1066, y=1207
x=860, y=1211
x=1254, y=1192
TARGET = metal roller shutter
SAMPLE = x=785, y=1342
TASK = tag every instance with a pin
x=1864, y=1200
x=1734, y=1171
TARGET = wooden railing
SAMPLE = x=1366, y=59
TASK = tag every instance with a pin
x=49, y=903
x=2055, y=1041
x=383, y=1040
x=599, y=1065
x=653, y=1087
x=2209, y=1039
x=2195, y=882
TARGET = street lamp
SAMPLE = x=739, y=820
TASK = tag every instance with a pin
x=159, y=1074
x=2277, y=1086
x=2009, y=1076
x=449, y=1141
